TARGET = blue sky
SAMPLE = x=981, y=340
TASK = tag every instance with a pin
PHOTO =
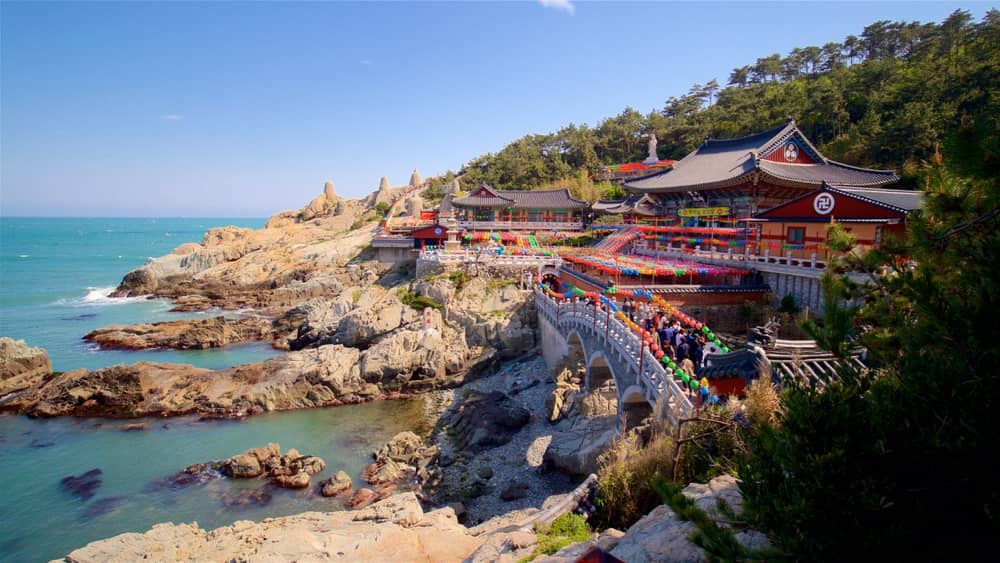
x=245, y=109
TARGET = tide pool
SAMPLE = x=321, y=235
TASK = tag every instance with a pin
x=41, y=521
x=56, y=275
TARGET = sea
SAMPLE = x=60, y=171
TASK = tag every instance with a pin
x=56, y=277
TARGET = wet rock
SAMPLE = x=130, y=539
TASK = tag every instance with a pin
x=384, y=470
x=336, y=485
x=245, y=498
x=403, y=447
x=102, y=507
x=243, y=466
x=485, y=472
x=293, y=481
x=84, y=485
x=39, y=444
x=362, y=498
x=136, y=427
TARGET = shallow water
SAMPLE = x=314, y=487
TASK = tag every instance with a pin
x=42, y=521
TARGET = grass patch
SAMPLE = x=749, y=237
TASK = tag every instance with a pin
x=356, y=296
x=565, y=530
x=459, y=278
x=417, y=301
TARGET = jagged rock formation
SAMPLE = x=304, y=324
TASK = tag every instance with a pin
x=21, y=366
x=415, y=179
x=194, y=334
x=485, y=420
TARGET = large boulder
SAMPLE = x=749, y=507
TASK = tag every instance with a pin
x=242, y=466
x=376, y=313
x=486, y=420
x=404, y=447
x=21, y=366
x=574, y=450
x=336, y=485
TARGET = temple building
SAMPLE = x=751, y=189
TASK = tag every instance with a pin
x=798, y=227
x=488, y=209
x=737, y=178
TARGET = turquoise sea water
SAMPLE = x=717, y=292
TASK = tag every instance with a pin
x=56, y=274
x=39, y=521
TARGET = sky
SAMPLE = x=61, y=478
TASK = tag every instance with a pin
x=245, y=109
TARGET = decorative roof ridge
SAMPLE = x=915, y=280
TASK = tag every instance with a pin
x=860, y=168
x=792, y=129
x=868, y=189
x=861, y=197
x=768, y=134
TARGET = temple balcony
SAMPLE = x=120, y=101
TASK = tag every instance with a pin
x=521, y=225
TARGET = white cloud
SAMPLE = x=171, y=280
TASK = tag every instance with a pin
x=172, y=117
x=564, y=5
x=365, y=61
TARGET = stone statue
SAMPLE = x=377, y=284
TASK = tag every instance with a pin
x=651, y=158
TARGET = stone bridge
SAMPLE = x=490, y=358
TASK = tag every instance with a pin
x=575, y=333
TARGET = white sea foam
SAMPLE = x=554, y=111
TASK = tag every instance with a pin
x=23, y=255
x=98, y=296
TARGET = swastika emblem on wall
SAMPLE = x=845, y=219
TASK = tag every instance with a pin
x=823, y=203
x=791, y=152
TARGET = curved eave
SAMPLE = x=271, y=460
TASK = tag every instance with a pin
x=725, y=183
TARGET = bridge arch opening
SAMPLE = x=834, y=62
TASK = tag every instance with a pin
x=636, y=410
x=576, y=356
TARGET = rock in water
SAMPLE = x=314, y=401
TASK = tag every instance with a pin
x=83, y=485
x=338, y=484
x=21, y=366
x=101, y=507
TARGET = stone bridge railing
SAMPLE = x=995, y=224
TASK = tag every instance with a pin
x=632, y=364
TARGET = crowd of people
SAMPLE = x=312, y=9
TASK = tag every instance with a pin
x=686, y=347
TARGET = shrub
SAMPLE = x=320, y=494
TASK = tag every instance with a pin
x=716, y=447
x=565, y=530
x=417, y=301
x=381, y=208
x=762, y=403
x=459, y=278
x=625, y=480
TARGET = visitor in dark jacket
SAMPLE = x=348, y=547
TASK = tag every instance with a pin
x=683, y=351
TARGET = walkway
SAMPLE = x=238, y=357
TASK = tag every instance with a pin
x=607, y=343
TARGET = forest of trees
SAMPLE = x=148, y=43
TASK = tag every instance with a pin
x=885, y=99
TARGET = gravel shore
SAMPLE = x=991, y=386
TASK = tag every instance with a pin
x=528, y=382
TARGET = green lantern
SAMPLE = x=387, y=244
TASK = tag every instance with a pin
x=725, y=350
x=717, y=342
x=710, y=336
x=671, y=363
x=679, y=373
x=693, y=384
x=686, y=378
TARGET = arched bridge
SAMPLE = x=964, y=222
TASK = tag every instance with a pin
x=611, y=351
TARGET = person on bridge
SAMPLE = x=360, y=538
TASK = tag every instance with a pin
x=683, y=349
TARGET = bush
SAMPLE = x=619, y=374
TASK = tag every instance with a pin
x=381, y=208
x=716, y=448
x=625, y=480
x=459, y=278
x=565, y=530
x=417, y=301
